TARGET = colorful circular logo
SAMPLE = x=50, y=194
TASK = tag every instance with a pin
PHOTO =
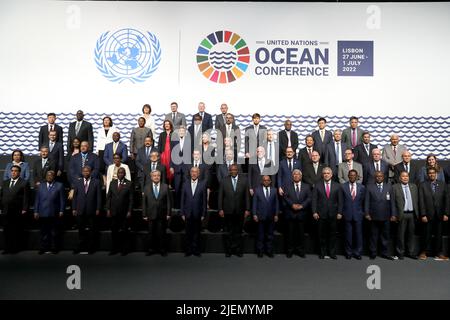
x=223, y=56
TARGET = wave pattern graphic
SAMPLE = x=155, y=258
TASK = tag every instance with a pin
x=422, y=135
x=222, y=60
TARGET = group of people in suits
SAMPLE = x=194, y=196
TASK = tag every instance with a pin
x=338, y=175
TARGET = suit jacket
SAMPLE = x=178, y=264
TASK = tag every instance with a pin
x=43, y=135
x=196, y=140
x=40, y=172
x=330, y=155
x=207, y=122
x=120, y=201
x=87, y=203
x=309, y=176
x=148, y=169
x=390, y=158
x=75, y=169
x=85, y=134
x=109, y=153
x=319, y=145
x=353, y=210
x=275, y=151
x=303, y=156
x=256, y=141
x=327, y=207
x=284, y=175
x=219, y=121
x=347, y=137
x=180, y=119
x=49, y=202
x=265, y=208
x=234, y=202
x=223, y=171
x=193, y=206
x=255, y=174
x=110, y=174
x=433, y=205
x=399, y=198
x=283, y=139
x=137, y=138
x=290, y=198
x=14, y=200
x=235, y=135
x=369, y=171
x=343, y=171
x=380, y=206
x=57, y=154
x=361, y=154
x=413, y=172
x=157, y=208
x=142, y=160
x=204, y=172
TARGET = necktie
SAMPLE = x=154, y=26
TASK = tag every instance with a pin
x=270, y=151
x=155, y=190
x=267, y=193
x=153, y=166
x=377, y=166
x=44, y=161
x=349, y=166
x=321, y=135
x=51, y=127
x=86, y=186
x=288, y=134
x=147, y=152
x=13, y=182
x=173, y=118
x=261, y=166
x=367, y=149
x=290, y=165
x=51, y=146
x=380, y=188
x=309, y=153
x=49, y=186
x=234, y=183
x=120, y=185
x=327, y=190
x=405, y=191
x=297, y=190
x=353, y=137
x=196, y=164
x=194, y=186
x=353, y=191
x=83, y=160
x=395, y=151
x=315, y=165
x=114, y=147
x=77, y=127
x=406, y=167
x=228, y=130
x=433, y=187
x=338, y=152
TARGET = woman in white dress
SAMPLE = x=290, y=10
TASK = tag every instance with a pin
x=104, y=136
x=112, y=170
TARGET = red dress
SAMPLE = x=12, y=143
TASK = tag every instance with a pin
x=165, y=159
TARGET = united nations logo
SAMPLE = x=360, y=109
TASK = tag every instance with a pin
x=127, y=54
x=223, y=56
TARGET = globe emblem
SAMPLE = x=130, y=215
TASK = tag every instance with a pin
x=127, y=54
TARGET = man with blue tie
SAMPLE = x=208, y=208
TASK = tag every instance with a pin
x=287, y=166
x=379, y=207
x=353, y=194
x=335, y=153
x=115, y=147
x=297, y=198
x=265, y=214
x=79, y=161
x=193, y=210
x=49, y=207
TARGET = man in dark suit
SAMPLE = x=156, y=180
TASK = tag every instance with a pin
x=322, y=137
x=352, y=136
x=86, y=205
x=181, y=155
x=447, y=174
x=82, y=130
x=297, y=197
x=114, y=147
x=234, y=206
x=157, y=209
x=305, y=154
x=312, y=172
x=206, y=118
x=287, y=166
x=363, y=151
x=221, y=117
x=379, y=207
x=143, y=158
x=14, y=196
x=49, y=205
x=327, y=207
x=178, y=119
x=79, y=161
x=265, y=213
x=197, y=162
x=376, y=164
x=262, y=167
x=41, y=166
x=223, y=170
x=50, y=126
x=353, y=194
x=408, y=166
x=287, y=138
x=433, y=200
x=56, y=152
x=193, y=210
x=229, y=130
x=119, y=203
x=255, y=136
x=335, y=153
x=406, y=197
x=195, y=132
x=153, y=165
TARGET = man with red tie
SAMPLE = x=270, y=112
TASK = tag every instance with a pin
x=353, y=135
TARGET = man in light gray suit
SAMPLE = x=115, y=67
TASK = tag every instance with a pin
x=392, y=154
x=348, y=165
x=177, y=118
x=352, y=136
x=406, y=197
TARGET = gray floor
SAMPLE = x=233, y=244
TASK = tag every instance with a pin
x=29, y=276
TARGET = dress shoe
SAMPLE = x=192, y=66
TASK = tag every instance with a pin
x=412, y=256
x=334, y=257
x=387, y=257
x=348, y=257
x=372, y=257
x=441, y=257
x=227, y=254
x=289, y=255
x=270, y=254
x=260, y=255
x=321, y=257
x=423, y=256
x=357, y=257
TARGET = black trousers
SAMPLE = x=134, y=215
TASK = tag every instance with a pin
x=295, y=237
x=327, y=236
x=264, y=240
x=193, y=230
x=13, y=231
x=87, y=232
x=233, y=241
x=50, y=235
x=157, y=235
x=120, y=234
x=433, y=226
x=405, y=235
x=379, y=230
